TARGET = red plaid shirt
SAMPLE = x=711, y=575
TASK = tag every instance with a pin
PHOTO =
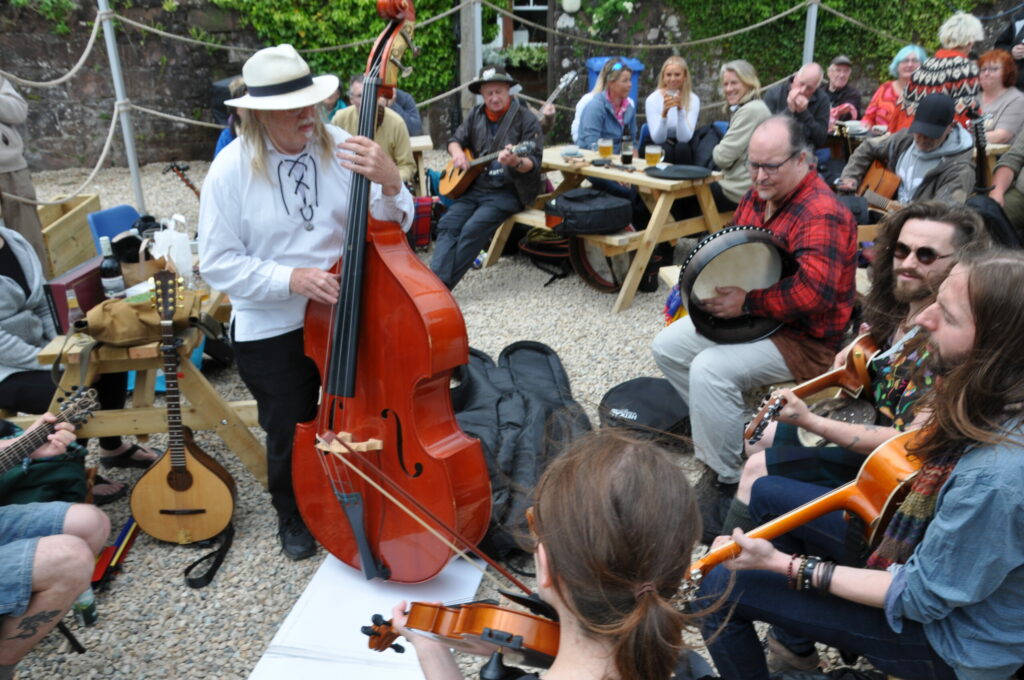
x=821, y=233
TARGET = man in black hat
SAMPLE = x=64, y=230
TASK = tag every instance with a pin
x=504, y=187
x=932, y=158
x=843, y=97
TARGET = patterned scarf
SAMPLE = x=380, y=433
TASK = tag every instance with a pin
x=620, y=111
x=911, y=520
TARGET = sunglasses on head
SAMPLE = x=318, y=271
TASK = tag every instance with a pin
x=924, y=254
x=616, y=66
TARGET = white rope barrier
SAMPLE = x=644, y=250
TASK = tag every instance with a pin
x=100, y=17
x=179, y=119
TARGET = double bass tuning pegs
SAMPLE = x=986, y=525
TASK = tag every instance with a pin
x=406, y=71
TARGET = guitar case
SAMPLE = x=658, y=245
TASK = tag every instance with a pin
x=522, y=411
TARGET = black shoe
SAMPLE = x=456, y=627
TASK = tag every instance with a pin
x=296, y=541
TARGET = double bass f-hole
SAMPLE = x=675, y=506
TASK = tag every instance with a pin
x=388, y=414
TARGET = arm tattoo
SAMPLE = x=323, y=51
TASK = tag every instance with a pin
x=29, y=626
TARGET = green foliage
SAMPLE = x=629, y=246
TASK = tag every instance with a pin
x=170, y=5
x=313, y=23
x=533, y=57
x=56, y=11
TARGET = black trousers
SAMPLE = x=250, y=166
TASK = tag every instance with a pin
x=31, y=392
x=285, y=383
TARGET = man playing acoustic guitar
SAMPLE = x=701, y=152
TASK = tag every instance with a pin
x=505, y=187
x=941, y=595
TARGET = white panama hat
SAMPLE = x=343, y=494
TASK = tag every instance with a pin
x=278, y=79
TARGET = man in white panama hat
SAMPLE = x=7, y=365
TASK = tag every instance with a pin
x=510, y=183
x=272, y=220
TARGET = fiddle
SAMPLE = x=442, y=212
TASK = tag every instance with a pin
x=478, y=628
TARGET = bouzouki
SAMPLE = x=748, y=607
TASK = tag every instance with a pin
x=876, y=493
x=982, y=172
x=179, y=170
x=76, y=409
x=454, y=181
x=853, y=378
x=185, y=496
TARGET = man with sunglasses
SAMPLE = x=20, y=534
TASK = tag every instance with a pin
x=815, y=303
x=933, y=157
x=917, y=247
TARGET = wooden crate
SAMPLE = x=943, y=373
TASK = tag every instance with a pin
x=66, y=232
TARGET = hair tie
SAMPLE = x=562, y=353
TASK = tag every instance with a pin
x=644, y=588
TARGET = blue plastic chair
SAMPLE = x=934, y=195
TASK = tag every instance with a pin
x=111, y=222
x=645, y=139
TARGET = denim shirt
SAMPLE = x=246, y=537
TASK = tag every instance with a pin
x=965, y=580
x=599, y=122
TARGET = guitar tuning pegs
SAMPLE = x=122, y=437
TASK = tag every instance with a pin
x=377, y=620
x=369, y=631
x=398, y=648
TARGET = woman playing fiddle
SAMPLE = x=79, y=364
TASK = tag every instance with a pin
x=609, y=559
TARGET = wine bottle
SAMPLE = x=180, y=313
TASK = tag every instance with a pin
x=110, y=270
x=627, y=148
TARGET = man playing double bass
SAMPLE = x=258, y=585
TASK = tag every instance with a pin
x=814, y=304
x=272, y=221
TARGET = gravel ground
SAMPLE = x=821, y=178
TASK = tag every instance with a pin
x=151, y=625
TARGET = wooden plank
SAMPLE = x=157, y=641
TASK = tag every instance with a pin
x=421, y=143
x=150, y=420
x=530, y=217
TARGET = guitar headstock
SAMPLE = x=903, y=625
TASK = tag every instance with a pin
x=78, y=407
x=166, y=293
x=567, y=80
x=381, y=635
x=524, y=149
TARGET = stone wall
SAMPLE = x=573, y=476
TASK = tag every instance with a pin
x=68, y=123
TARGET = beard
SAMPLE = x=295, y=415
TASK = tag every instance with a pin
x=907, y=291
x=939, y=364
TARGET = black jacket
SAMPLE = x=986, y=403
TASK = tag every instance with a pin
x=814, y=118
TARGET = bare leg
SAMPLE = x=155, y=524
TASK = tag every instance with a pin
x=88, y=523
x=61, y=570
x=753, y=469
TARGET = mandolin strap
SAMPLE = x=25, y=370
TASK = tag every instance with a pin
x=499, y=138
x=217, y=556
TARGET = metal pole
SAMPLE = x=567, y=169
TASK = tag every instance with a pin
x=809, y=30
x=126, y=121
x=469, y=46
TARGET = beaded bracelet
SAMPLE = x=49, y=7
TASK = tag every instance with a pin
x=790, y=576
x=800, y=572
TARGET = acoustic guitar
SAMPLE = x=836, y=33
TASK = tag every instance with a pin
x=853, y=378
x=185, y=495
x=454, y=182
x=877, y=492
x=76, y=409
x=878, y=187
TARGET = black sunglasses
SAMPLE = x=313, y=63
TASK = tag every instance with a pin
x=924, y=254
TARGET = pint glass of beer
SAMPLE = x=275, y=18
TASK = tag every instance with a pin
x=653, y=154
x=605, y=148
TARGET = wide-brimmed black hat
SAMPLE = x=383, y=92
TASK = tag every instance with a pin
x=491, y=74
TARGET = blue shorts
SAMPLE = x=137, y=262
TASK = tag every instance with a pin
x=21, y=527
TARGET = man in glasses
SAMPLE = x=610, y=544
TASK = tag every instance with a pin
x=814, y=304
x=932, y=158
x=917, y=247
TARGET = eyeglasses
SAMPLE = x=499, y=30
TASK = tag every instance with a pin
x=991, y=68
x=769, y=168
x=924, y=254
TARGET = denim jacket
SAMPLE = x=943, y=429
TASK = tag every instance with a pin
x=965, y=580
x=599, y=122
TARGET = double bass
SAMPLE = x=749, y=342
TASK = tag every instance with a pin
x=386, y=352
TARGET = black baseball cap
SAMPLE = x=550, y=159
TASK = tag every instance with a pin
x=841, y=60
x=934, y=115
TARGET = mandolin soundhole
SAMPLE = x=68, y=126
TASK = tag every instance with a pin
x=179, y=480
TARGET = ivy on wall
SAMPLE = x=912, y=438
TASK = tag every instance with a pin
x=314, y=23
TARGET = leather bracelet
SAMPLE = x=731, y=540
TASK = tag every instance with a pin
x=808, y=571
x=825, y=579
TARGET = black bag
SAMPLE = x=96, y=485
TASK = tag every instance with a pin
x=649, y=405
x=522, y=411
x=590, y=211
x=548, y=251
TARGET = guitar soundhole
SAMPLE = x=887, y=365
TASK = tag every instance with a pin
x=179, y=480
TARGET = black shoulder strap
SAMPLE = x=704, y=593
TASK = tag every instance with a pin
x=226, y=537
x=499, y=139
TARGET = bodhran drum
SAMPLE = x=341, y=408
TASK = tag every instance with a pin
x=743, y=256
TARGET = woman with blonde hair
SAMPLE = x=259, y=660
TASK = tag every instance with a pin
x=609, y=559
x=585, y=99
x=742, y=90
x=672, y=111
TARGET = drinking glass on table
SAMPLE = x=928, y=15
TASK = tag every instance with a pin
x=605, y=147
x=653, y=154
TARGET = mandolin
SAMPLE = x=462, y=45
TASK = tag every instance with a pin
x=853, y=378
x=566, y=80
x=76, y=409
x=185, y=496
x=455, y=182
x=881, y=485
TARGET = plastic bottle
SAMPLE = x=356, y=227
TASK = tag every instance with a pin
x=110, y=270
x=75, y=312
x=479, y=261
x=84, y=608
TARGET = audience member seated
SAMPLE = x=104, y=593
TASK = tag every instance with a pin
x=672, y=111
x=1008, y=184
x=391, y=133
x=329, y=107
x=609, y=560
x=599, y=83
x=933, y=158
x=610, y=114
x=236, y=88
x=1012, y=40
x=802, y=97
x=951, y=71
x=47, y=551
x=843, y=97
x=1001, y=101
x=509, y=183
x=911, y=612
x=915, y=250
x=882, y=108
x=742, y=91
x=25, y=328
x=404, y=105
x=814, y=304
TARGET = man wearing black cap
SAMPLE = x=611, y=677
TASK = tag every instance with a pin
x=843, y=97
x=505, y=187
x=932, y=158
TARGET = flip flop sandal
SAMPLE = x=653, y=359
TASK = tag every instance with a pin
x=99, y=499
x=125, y=460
